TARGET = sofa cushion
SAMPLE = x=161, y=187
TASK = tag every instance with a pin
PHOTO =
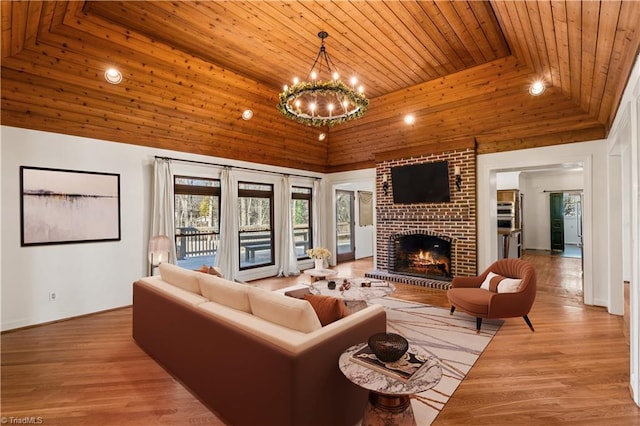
x=289, y=312
x=328, y=309
x=180, y=277
x=225, y=292
x=498, y=284
x=474, y=301
x=173, y=291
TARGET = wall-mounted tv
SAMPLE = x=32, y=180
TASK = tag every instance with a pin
x=421, y=183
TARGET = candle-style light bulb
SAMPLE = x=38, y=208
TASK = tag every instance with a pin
x=336, y=76
x=295, y=80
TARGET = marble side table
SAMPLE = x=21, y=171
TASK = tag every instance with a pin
x=389, y=402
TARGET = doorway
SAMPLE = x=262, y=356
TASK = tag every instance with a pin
x=345, y=226
x=565, y=217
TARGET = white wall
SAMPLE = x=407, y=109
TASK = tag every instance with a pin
x=87, y=277
x=623, y=204
x=508, y=180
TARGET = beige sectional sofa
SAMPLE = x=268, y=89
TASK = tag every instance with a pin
x=253, y=356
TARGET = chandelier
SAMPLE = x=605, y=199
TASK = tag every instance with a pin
x=323, y=100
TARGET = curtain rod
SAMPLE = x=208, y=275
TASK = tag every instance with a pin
x=234, y=167
x=564, y=190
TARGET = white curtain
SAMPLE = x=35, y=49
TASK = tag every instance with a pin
x=288, y=257
x=162, y=211
x=227, y=257
x=319, y=218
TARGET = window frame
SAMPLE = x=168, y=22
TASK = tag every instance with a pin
x=256, y=193
x=196, y=190
x=309, y=197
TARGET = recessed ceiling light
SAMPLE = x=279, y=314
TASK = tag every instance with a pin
x=322, y=136
x=537, y=88
x=409, y=119
x=113, y=76
x=247, y=114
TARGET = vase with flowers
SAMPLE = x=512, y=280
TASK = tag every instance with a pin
x=319, y=254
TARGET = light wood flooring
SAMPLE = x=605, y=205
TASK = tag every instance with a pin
x=573, y=370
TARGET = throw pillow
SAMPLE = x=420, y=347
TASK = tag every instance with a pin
x=214, y=270
x=328, y=309
x=499, y=284
x=211, y=270
x=286, y=311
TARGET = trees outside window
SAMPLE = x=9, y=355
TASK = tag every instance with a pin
x=302, y=220
x=197, y=220
x=255, y=225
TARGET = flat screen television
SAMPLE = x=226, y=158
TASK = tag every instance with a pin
x=421, y=183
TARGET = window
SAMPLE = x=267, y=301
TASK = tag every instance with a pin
x=301, y=213
x=255, y=220
x=570, y=201
x=197, y=220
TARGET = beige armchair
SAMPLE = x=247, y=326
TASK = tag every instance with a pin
x=501, y=297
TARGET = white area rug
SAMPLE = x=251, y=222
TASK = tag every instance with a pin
x=451, y=338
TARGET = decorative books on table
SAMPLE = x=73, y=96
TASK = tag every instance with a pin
x=403, y=369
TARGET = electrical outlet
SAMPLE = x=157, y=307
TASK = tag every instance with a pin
x=52, y=296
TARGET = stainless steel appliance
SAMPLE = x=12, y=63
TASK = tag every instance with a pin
x=506, y=214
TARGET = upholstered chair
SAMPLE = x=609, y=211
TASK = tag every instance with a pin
x=506, y=289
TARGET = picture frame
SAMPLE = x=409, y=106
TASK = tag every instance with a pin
x=60, y=206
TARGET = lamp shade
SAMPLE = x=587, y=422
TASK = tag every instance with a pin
x=159, y=248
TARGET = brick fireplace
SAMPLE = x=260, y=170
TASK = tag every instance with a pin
x=454, y=222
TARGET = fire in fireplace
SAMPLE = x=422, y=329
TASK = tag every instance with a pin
x=421, y=255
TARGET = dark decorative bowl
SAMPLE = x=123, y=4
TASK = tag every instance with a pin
x=388, y=347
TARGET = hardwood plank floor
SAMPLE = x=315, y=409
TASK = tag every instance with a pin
x=573, y=370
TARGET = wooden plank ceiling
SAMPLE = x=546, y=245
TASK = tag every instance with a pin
x=191, y=68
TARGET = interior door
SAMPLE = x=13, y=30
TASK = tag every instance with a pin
x=345, y=226
x=556, y=214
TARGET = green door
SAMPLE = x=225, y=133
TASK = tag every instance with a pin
x=557, y=221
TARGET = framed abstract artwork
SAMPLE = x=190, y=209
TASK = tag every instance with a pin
x=66, y=206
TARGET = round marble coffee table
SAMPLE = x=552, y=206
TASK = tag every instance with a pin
x=389, y=402
x=356, y=292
